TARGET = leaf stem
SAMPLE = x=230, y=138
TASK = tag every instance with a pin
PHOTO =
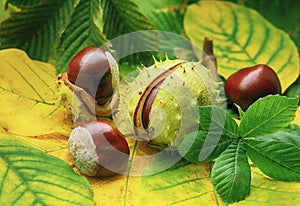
x=208, y=58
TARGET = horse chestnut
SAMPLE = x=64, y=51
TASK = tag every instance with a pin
x=249, y=84
x=90, y=69
x=159, y=105
x=98, y=148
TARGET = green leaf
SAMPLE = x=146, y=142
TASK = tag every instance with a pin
x=203, y=146
x=149, y=7
x=293, y=129
x=242, y=37
x=123, y=16
x=219, y=129
x=276, y=159
x=4, y=11
x=241, y=112
x=282, y=136
x=167, y=15
x=81, y=32
x=35, y=28
x=29, y=176
x=231, y=173
x=294, y=89
x=170, y=19
x=24, y=3
x=268, y=115
x=213, y=118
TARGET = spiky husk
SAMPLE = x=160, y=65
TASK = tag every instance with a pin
x=174, y=111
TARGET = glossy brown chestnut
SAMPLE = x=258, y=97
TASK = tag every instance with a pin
x=90, y=70
x=249, y=84
x=97, y=148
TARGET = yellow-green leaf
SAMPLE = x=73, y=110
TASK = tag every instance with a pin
x=242, y=38
x=266, y=192
x=29, y=176
x=189, y=184
x=30, y=101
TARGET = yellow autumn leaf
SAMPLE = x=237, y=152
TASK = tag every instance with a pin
x=30, y=102
x=297, y=116
x=188, y=184
x=184, y=184
x=242, y=38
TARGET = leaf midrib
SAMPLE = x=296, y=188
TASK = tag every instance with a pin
x=264, y=122
x=235, y=168
x=272, y=160
x=232, y=37
x=22, y=179
x=180, y=183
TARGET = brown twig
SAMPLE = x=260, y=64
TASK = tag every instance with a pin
x=208, y=58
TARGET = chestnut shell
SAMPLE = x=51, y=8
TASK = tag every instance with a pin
x=97, y=148
x=90, y=69
x=251, y=83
